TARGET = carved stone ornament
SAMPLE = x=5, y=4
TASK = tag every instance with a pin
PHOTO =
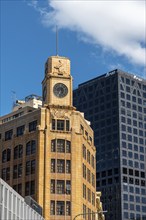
x=59, y=68
x=60, y=113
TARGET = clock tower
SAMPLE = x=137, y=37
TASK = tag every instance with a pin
x=56, y=143
x=57, y=84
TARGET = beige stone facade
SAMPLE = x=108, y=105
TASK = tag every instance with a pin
x=48, y=152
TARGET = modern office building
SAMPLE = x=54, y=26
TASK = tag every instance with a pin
x=13, y=206
x=115, y=103
x=48, y=152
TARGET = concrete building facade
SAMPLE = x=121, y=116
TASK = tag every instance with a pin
x=13, y=206
x=115, y=103
x=48, y=152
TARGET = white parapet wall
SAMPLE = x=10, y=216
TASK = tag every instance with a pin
x=13, y=206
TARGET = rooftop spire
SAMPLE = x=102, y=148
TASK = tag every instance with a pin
x=56, y=40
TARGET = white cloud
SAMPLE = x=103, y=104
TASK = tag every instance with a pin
x=117, y=26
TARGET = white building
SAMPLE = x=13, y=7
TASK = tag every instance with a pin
x=33, y=101
x=13, y=206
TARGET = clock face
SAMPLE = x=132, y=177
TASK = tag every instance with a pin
x=60, y=90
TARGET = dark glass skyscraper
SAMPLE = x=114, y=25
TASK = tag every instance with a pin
x=115, y=103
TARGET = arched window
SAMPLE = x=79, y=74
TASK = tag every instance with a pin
x=31, y=147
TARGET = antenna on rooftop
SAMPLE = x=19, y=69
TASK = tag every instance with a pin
x=13, y=99
x=56, y=40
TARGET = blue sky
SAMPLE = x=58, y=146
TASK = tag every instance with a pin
x=97, y=36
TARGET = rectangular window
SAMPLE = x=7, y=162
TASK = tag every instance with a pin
x=84, y=211
x=30, y=167
x=31, y=147
x=88, y=175
x=61, y=145
x=32, y=126
x=30, y=188
x=18, y=188
x=6, y=173
x=20, y=151
x=60, y=208
x=68, y=147
x=53, y=146
x=53, y=166
x=20, y=130
x=53, y=124
x=60, y=125
x=14, y=171
x=88, y=156
x=28, y=148
x=89, y=195
x=60, y=187
x=84, y=151
x=68, y=166
x=93, y=180
x=60, y=166
x=52, y=208
x=8, y=135
x=84, y=191
x=93, y=199
x=19, y=170
x=67, y=125
x=84, y=171
x=68, y=208
x=33, y=165
x=27, y=169
x=68, y=187
x=93, y=162
x=52, y=186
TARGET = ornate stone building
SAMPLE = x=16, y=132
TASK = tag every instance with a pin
x=48, y=152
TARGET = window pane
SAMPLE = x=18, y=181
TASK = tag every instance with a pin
x=32, y=126
x=68, y=208
x=33, y=147
x=33, y=165
x=60, y=187
x=53, y=124
x=60, y=125
x=53, y=145
x=60, y=145
x=52, y=165
x=60, y=166
x=68, y=166
x=68, y=187
x=52, y=208
x=60, y=208
x=68, y=147
x=67, y=125
x=27, y=171
x=28, y=148
x=52, y=186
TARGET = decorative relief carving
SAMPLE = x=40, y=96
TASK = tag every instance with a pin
x=60, y=113
x=59, y=67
